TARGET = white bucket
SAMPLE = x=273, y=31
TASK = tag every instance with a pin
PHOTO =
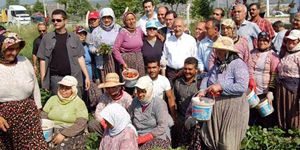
x=130, y=82
x=202, y=108
x=265, y=108
x=47, y=126
x=252, y=98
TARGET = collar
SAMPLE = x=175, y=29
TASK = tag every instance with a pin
x=183, y=80
x=52, y=34
x=153, y=17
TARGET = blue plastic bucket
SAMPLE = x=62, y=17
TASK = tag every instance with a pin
x=264, y=108
x=252, y=98
x=202, y=109
x=47, y=127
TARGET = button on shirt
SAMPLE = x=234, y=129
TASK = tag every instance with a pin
x=249, y=30
x=142, y=22
x=176, y=50
x=203, y=53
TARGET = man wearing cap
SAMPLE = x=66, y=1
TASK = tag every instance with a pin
x=61, y=53
x=114, y=93
x=150, y=14
x=42, y=29
x=245, y=28
x=263, y=24
x=177, y=48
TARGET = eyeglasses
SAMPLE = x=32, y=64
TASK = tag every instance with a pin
x=42, y=31
x=56, y=20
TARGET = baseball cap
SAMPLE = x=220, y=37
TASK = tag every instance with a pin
x=294, y=35
x=68, y=81
x=80, y=29
x=151, y=24
x=264, y=35
x=94, y=15
x=144, y=82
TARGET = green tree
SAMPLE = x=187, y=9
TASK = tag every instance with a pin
x=80, y=7
x=63, y=2
x=201, y=8
x=174, y=3
x=38, y=7
x=98, y=5
x=12, y=2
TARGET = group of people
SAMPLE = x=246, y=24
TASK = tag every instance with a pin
x=223, y=61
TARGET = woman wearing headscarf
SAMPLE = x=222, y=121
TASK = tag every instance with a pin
x=227, y=81
x=69, y=114
x=128, y=45
x=150, y=117
x=105, y=33
x=265, y=62
x=120, y=134
x=287, y=94
x=20, y=99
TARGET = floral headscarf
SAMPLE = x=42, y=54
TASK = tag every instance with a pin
x=10, y=39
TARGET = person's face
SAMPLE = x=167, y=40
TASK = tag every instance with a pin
x=153, y=70
x=149, y=8
x=296, y=22
x=254, y=11
x=161, y=15
x=82, y=36
x=113, y=91
x=94, y=22
x=189, y=71
x=141, y=93
x=227, y=31
x=59, y=22
x=221, y=54
x=11, y=52
x=276, y=28
x=210, y=30
x=217, y=14
x=200, y=30
x=178, y=27
x=65, y=91
x=263, y=44
x=151, y=32
x=169, y=20
x=107, y=20
x=130, y=21
x=292, y=43
x=42, y=29
x=109, y=126
x=238, y=13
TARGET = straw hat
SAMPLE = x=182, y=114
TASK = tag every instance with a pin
x=12, y=39
x=111, y=80
x=224, y=43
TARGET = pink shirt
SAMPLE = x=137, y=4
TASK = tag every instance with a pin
x=289, y=65
x=127, y=42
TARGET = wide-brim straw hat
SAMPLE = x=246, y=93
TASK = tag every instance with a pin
x=111, y=80
x=10, y=39
x=224, y=43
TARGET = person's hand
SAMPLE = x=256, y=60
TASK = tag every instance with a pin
x=125, y=67
x=103, y=124
x=252, y=84
x=214, y=90
x=201, y=94
x=145, y=138
x=160, y=37
x=270, y=97
x=87, y=84
x=58, y=139
x=190, y=122
x=3, y=124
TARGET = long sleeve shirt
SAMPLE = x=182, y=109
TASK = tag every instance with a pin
x=203, y=54
x=249, y=30
x=289, y=65
x=127, y=42
x=266, y=26
x=18, y=82
x=234, y=79
x=278, y=39
x=176, y=50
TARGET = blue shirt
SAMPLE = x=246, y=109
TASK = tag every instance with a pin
x=277, y=41
x=203, y=53
x=250, y=31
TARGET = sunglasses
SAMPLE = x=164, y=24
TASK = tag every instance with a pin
x=42, y=31
x=151, y=28
x=56, y=20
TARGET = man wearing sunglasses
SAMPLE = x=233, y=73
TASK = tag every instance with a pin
x=42, y=29
x=61, y=53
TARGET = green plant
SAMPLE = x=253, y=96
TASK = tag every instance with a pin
x=104, y=49
x=45, y=95
x=92, y=142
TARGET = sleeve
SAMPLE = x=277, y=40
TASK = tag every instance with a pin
x=164, y=52
x=212, y=59
x=270, y=29
x=256, y=30
x=48, y=106
x=80, y=47
x=99, y=108
x=199, y=56
x=161, y=114
x=203, y=85
x=79, y=125
x=41, y=49
x=247, y=57
x=167, y=85
x=116, y=48
x=34, y=47
x=274, y=71
x=194, y=48
x=129, y=141
x=241, y=80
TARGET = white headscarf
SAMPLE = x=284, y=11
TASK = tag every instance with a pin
x=145, y=83
x=107, y=12
x=118, y=117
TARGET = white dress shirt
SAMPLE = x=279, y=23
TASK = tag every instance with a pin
x=176, y=50
x=142, y=22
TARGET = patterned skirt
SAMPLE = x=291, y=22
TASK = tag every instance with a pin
x=156, y=143
x=77, y=142
x=25, y=130
x=288, y=107
x=135, y=60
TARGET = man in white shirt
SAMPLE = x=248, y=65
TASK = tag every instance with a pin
x=177, y=48
x=161, y=85
x=150, y=14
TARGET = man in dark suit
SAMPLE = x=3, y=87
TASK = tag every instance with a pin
x=167, y=31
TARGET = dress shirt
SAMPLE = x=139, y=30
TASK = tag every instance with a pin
x=249, y=30
x=176, y=50
x=203, y=53
x=278, y=39
x=142, y=22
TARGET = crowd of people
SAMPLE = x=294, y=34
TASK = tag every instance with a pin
x=223, y=61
